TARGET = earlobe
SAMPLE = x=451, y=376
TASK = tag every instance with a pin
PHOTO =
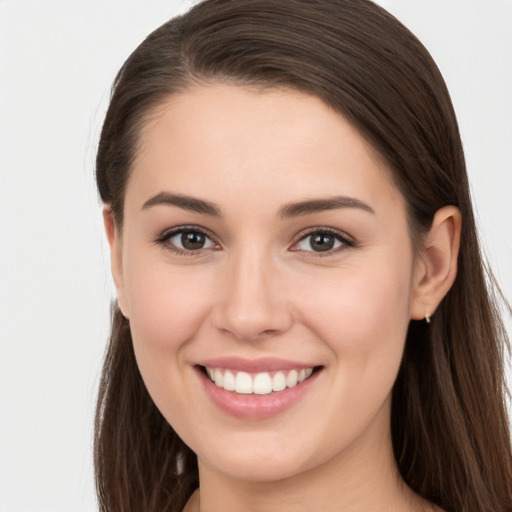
x=116, y=260
x=437, y=269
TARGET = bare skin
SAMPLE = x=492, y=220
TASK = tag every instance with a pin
x=302, y=252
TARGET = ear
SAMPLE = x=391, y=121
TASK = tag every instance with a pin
x=436, y=268
x=116, y=260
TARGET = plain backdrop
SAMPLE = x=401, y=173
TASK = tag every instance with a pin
x=57, y=61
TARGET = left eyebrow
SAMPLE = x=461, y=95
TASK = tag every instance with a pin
x=185, y=202
x=320, y=205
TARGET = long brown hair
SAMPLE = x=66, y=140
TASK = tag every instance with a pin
x=449, y=423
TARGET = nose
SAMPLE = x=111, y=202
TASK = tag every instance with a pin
x=252, y=302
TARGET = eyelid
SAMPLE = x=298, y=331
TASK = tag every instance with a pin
x=163, y=239
x=345, y=239
x=167, y=234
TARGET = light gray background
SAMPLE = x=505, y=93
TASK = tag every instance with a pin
x=57, y=60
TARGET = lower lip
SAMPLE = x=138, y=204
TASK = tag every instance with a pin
x=256, y=407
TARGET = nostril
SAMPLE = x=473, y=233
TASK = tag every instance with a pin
x=252, y=316
x=246, y=333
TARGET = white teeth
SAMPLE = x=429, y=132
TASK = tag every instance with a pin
x=291, y=378
x=278, y=382
x=229, y=381
x=260, y=383
x=243, y=383
x=218, y=378
x=304, y=374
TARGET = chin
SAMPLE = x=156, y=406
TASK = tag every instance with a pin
x=258, y=469
x=264, y=457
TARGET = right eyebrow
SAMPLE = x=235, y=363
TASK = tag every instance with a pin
x=311, y=206
x=183, y=201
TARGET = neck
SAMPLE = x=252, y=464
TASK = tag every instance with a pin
x=362, y=477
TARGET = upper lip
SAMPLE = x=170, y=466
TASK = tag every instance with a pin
x=263, y=364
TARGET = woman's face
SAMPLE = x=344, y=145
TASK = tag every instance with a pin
x=263, y=242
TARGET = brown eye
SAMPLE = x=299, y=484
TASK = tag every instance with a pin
x=186, y=240
x=192, y=240
x=322, y=242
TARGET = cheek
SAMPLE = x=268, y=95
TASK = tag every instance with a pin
x=167, y=307
x=363, y=319
x=363, y=316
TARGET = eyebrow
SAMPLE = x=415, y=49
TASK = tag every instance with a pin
x=286, y=212
x=185, y=202
x=320, y=205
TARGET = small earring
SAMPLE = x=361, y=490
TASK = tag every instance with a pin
x=427, y=319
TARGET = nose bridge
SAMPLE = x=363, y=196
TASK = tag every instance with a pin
x=254, y=303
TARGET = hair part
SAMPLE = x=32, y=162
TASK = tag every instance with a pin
x=449, y=422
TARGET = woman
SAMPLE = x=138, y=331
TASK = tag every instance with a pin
x=302, y=319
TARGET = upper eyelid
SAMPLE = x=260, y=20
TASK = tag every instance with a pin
x=170, y=232
x=163, y=240
x=324, y=229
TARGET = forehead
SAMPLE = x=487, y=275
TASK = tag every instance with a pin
x=224, y=141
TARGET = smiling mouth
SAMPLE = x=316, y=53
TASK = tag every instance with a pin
x=263, y=383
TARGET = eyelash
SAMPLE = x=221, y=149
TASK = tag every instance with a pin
x=166, y=236
x=339, y=236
